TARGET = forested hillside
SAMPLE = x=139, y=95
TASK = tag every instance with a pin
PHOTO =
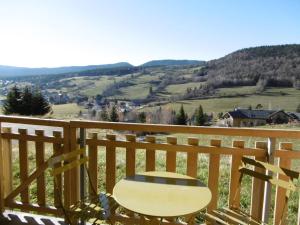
x=170, y=62
x=263, y=66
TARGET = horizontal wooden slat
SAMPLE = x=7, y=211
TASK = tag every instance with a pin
x=182, y=148
x=228, y=131
x=33, y=121
x=155, y=127
x=29, y=137
x=35, y=208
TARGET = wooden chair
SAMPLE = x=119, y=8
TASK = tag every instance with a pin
x=95, y=209
x=233, y=215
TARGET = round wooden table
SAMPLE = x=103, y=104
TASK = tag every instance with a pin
x=162, y=194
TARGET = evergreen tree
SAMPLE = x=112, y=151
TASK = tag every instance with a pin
x=150, y=90
x=199, y=116
x=298, y=109
x=40, y=106
x=26, y=102
x=114, y=115
x=181, y=117
x=142, y=117
x=220, y=115
x=12, y=103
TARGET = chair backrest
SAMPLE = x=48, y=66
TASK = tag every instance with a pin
x=65, y=162
x=284, y=181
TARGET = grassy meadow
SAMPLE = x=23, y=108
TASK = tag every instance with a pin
x=273, y=98
x=66, y=111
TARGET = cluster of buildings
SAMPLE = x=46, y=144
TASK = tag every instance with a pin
x=257, y=117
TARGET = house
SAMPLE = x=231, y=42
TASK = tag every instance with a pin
x=295, y=116
x=257, y=117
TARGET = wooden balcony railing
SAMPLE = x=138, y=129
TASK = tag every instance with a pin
x=24, y=149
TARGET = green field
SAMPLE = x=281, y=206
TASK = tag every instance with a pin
x=273, y=98
x=181, y=88
x=133, y=92
x=66, y=111
x=245, y=90
x=89, y=86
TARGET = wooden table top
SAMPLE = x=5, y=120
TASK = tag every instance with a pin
x=162, y=194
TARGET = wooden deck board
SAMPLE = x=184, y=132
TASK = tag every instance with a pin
x=19, y=218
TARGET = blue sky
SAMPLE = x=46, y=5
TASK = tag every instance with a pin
x=51, y=33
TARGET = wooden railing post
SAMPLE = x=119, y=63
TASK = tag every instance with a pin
x=192, y=158
x=23, y=156
x=67, y=175
x=268, y=187
x=130, y=156
x=171, y=155
x=110, y=164
x=280, y=200
x=93, y=164
x=258, y=185
x=40, y=158
x=5, y=167
x=234, y=193
x=57, y=150
x=75, y=173
x=213, y=175
x=150, y=155
x=82, y=140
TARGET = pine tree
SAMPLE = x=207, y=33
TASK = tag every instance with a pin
x=13, y=100
x=142, y=117
x=40, y=106
x=150, y=90
x=26, y=102
x=114, y=115
x=181, y=118
x=199, y=116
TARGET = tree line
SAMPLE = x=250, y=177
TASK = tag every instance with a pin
x=25, y=101
x=160, y=116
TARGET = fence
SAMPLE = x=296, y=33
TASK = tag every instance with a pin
x=115, y=137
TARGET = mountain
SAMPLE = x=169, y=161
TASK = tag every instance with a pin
x=277, y=65
x=171, y=62
x=23, y=71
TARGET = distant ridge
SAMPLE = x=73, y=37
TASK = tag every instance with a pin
x=24, y=71
x=275, y=65
x=171, y=62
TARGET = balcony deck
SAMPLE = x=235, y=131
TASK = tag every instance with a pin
x=21, y=218
x=115, y=151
